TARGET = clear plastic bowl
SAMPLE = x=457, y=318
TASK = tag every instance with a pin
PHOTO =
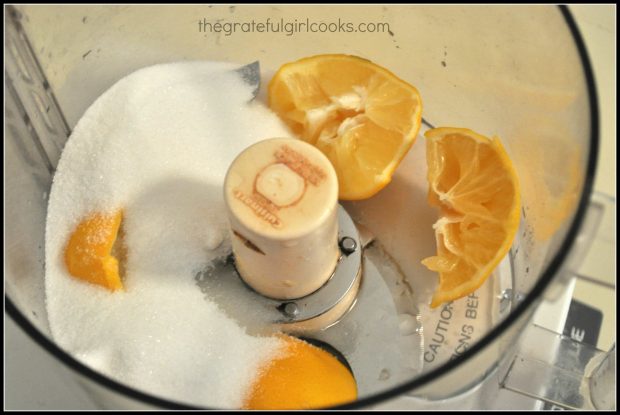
x=520, y=72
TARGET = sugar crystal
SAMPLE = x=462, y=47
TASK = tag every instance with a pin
x=157, y=144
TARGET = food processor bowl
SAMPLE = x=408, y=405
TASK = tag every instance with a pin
x=518, y=72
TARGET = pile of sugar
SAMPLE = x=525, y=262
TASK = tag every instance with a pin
x=157, y=144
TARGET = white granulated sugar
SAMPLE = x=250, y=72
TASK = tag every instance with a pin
x=157, y=144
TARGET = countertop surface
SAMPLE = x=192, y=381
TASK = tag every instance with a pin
x=32, y=378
